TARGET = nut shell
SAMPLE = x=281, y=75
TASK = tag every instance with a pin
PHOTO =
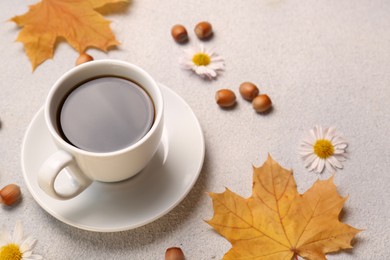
x=225, y=98
x=10, y=194
x=261, y=103
x=179, y=33
x=248, y=90
x=174, y=253
x=203, y=30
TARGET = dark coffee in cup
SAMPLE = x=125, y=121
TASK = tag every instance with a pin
x=105, y=114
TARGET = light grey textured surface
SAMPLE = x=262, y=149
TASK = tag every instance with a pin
x=321, y=62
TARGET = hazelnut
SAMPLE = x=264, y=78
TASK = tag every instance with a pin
x=83, y=58
x=179, y=33
x=10, y=194
x=248, y=90
x=174, y=253
x=261, y=103
x=203, y=30
x=225, y=98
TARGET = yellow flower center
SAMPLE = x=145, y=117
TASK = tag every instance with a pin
x=201, y=59
x=323, y=148
x=10, y=252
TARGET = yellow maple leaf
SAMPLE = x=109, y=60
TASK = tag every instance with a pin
x=277, y=222
x=77, y=21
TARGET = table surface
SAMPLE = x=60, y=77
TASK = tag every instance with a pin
x=321, y=62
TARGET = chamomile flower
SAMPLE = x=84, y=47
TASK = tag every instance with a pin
x=205, y=63
x=323, y=149
x=17, y=247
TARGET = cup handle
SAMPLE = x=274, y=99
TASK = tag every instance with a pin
x=50, y=170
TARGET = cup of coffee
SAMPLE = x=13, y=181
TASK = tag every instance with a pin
x=106, y=118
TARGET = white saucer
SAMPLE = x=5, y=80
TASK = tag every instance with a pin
x=109, y=207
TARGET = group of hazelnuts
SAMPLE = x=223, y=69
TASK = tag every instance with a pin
x=203, y=30
x=249, y=91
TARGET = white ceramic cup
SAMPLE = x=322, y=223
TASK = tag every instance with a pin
x=82, y=166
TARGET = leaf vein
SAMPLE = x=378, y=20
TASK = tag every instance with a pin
x=258, y=196
x=307, y=222
x=278, y=207
x=258, y=230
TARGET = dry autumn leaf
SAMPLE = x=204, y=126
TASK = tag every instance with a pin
x=77, y=21
x=277, y=222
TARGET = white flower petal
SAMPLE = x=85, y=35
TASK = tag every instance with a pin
x=306, y=143
x=341, y=146
x=316, y=132
x=33, y=257
x=309, y=160
x=208, y=76
x=305, y=153
x=309, y=139
x=27, y=244
x=339, y=151
x=329, y=133
x=205, y=72
x=320, y=166
x=313, y=133
x=189, y=53
x=217, y=59
x=339, y=140
x=211, y=72
x=211, y=75
x=210, y=52
x=314, y=164
x=334, y=162
x=320, y=133
x=5, y=236
x=306, y=148
x=340, y=157
x=200, y=70
x=329, y=166
x=216, y=66
x=186, y=65
x=18, y=232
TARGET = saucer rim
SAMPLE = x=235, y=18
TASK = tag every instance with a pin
x=180, y=197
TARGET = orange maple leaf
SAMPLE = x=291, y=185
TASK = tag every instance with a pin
x=77, y=21
x=277, y=222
